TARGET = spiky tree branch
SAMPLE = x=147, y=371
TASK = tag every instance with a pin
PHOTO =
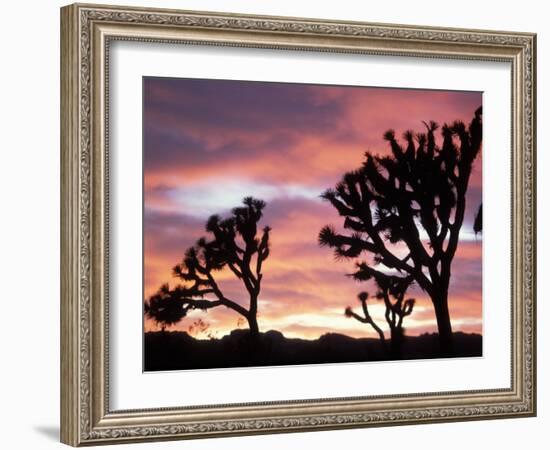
x=478, y=221
x=366, y=317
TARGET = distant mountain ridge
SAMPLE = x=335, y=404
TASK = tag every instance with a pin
x=177, y=350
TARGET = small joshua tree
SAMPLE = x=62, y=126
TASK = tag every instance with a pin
x=235, y=245
x=392, y=290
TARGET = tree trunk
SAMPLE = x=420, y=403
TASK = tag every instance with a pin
x=396, y=343
x=444, y=328
x=253, y=325
x=252, y=344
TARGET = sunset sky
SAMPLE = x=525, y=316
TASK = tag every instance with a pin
x=209, y=143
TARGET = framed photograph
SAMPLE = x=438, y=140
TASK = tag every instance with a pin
x=275, y=224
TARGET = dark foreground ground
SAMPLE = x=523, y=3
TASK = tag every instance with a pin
x=178, y=350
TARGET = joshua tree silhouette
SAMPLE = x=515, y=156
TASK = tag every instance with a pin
x=388, y=201
x=392, y=290
x=235, y=245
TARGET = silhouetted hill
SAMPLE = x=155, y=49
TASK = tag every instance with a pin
x=178, y=350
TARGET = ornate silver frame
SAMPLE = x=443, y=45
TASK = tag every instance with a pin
x=86, y=31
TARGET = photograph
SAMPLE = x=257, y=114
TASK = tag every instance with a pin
x=291, y=224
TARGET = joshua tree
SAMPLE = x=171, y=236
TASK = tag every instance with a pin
x=406, y=210
x=392, y=290
x=236, y=246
